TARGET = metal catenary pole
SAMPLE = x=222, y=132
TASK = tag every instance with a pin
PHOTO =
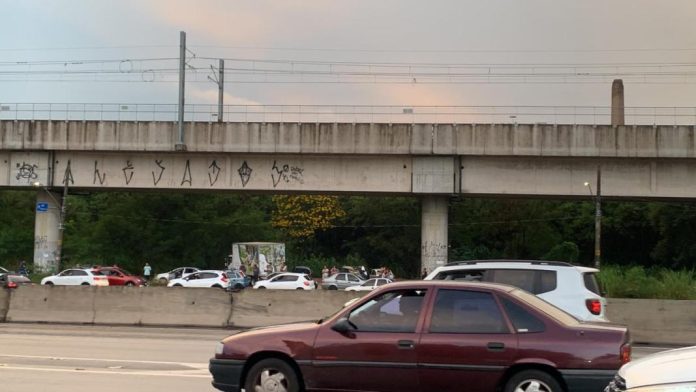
x=598, y=219
x=180, y=146
x=221, y=88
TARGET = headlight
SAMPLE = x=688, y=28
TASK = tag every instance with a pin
x=220, y=348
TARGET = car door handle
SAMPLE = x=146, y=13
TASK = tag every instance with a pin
x=495, y=346
x=406, y=344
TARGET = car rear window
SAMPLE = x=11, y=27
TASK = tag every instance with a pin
x=522, y=320
x=534, y=281
x=545, y=307
x=461, y=275
x=591, y=283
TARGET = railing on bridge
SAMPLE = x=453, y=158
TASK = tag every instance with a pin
x=594, y=115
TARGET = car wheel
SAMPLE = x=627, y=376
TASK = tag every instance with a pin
x=299, y=288
x=85, y=284
x=177, y=285
x=216, y=286
x=130, y=284
x=260, y=287
x=272, y=375
x=532, y=381
x=49, y=283
x=163, y=281
x=333, y=288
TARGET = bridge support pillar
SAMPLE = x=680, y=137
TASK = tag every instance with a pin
x=434, y=224
x=48, y=233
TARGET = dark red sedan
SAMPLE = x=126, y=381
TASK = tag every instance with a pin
x=119, y=277
x=428, y=336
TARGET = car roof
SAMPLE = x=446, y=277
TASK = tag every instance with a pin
x=423, y=284
x=504, y=263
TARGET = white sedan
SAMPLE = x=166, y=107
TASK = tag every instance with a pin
x=76, y=277
x=666, y=371
x=369, y=284
x=210, y=278
x=177, y=273
x=287, y=281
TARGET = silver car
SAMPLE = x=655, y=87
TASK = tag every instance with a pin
x=341, y=281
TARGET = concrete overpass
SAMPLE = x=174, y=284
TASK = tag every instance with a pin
x=432, y=161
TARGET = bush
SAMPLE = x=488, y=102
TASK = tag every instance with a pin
x=639, y=282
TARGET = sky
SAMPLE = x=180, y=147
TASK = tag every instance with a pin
x=353, y=52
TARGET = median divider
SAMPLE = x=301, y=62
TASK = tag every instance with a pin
x=656, y=320
x=254, y=308
x=4, y=303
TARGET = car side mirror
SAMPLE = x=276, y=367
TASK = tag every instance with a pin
x=343, y=326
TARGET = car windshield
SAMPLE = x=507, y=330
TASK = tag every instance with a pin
x=552, y=311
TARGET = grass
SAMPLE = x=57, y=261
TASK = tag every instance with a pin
x=640, y=282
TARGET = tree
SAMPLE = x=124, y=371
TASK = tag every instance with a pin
x=302, y=216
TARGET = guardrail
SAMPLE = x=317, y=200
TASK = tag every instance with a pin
x=591, y=115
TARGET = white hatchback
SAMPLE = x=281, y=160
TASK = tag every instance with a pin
x=569, y=287
x=76, y=277
x=287, y=281
x=210, y=278
x=369, y=284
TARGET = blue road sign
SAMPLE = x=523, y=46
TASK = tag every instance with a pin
x=41, y=207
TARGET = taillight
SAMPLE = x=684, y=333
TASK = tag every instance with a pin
x=625, y=353
x=224, y=278
x=594, y=306
x=306, y=283
x=11, y=285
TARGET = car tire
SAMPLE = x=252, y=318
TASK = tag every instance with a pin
x=279, y=376
x=333, y=288
x=84, y=284
x=163, y=281
x=533, y=380
x=260, y=287
x=49, y=283
x=299, y=288
x=130, y=284
x=238, y=286
x=216, y=286
x=177, y=285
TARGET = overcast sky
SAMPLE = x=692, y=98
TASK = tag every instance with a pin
x=405, y=33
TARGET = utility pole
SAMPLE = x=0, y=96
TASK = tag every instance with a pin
x=221, y=88
x=180, y=146
x=598, y=220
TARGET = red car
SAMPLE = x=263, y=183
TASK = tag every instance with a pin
x=428, y=336
x=118, y=276
x=12, y=281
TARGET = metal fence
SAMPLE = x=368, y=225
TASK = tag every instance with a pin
x=594, y=115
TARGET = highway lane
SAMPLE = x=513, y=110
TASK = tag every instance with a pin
x=105, y=359
x=59, y=358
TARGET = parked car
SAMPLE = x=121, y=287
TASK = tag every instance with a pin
x=341, y=281
x=370, y=284
x=428, y=336
x=300, y=269
x=119, y=277
x=76, y=277
x=287, y=281
x=205, y=278
x=4, y=270
x=12, y=281
x=571, y=288
x=238, y=280
x=666, y=371
x=176, y=273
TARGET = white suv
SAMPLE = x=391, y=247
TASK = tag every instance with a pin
x=571, y=288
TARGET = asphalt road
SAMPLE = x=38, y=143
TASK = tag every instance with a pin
x=37, y=358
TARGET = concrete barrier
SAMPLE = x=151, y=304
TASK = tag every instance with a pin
x=4, y=303
x=656, y=320
x=120, y=306
x=253, y=308
x=650, y=321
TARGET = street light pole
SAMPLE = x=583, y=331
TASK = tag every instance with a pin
x=598, y=218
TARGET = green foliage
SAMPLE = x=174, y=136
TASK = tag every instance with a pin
x=16, y=227
x=565, y=251
x=639, y=282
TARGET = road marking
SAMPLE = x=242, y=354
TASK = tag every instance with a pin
x=54, y=358
x=84, y=371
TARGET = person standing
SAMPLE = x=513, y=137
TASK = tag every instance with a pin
x=424, y=274
x=147, y=271
x=254, y=274
x=325, y=272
